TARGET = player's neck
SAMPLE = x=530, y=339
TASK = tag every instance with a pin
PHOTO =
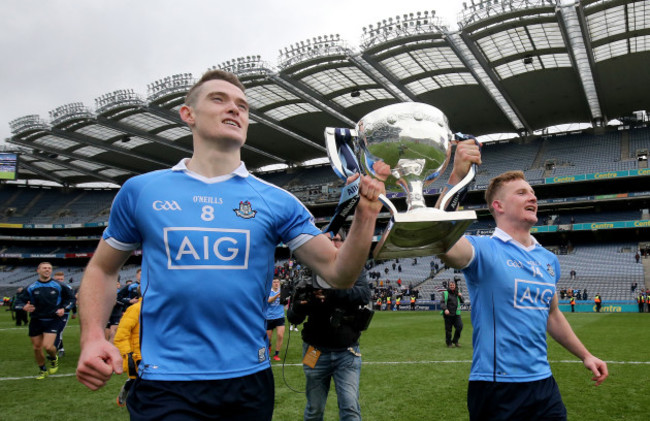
x=213, y=161
x=519, y=232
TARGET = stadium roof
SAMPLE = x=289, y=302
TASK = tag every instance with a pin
x=514, y=66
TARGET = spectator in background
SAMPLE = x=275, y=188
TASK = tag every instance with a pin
x=46, y=300
x=599, y=302
x=640, y=300
x=129, y=294
x=450, y=304
x=127, y=341
x=20, y=315
x=208, y=230
x=572, y=274
x=60, y=277
x=275, y=319
x=115, y=316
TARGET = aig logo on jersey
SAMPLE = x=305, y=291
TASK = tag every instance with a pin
x=165, y=205
x=533, y=295
x=206, y=248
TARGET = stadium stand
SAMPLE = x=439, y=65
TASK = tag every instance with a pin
x=591, y=182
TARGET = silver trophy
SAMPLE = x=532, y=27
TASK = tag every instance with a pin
x=408, y=146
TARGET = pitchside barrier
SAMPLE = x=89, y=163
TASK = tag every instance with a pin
x=626, y=306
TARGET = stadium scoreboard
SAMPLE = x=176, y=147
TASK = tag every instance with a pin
x=8, y=166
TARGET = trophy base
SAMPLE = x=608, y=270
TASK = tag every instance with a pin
x=422, y=234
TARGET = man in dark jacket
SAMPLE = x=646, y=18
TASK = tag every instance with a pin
x=450, y=303
x=331, y=344
x=46, y=300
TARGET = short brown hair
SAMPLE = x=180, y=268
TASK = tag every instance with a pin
x=59, y=274
x=190, y=98
x=497, y=182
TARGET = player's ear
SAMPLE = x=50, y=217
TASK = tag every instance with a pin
x=187, y=114
x=497, y=205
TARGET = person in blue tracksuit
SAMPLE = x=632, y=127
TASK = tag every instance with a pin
x=47, y=301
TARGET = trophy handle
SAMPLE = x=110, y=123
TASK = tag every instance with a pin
x=452, y=198
x=386, y=202
x=340, y=150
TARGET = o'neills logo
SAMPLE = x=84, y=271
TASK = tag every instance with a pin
x=245, y=210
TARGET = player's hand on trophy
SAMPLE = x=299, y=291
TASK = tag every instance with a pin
x=381, y=169
x=468, y=152
x=369, y=190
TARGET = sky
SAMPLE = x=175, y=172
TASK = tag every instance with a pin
x=56, y=52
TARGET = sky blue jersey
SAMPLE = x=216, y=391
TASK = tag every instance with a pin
x=511, y=288
x=275, y=310
x=208, y=248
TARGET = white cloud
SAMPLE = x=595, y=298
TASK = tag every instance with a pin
x=60, y=51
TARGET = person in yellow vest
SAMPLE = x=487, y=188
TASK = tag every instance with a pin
x=388, y=303
x=412, y=302
x=640, y=301
x=599, y=302
x=572, y=301
x=378, y=305
x=127, y=340
x=398, y=301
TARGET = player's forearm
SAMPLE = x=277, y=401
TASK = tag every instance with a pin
x=561, y=331
x=354, y=252
x=96, y=298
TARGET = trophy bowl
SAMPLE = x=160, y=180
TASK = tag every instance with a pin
x=413, y=140
x=407, y=146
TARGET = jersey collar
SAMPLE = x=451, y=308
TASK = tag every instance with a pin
x=505, y=237
x=240, y=171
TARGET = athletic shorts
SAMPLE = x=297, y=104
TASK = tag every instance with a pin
x=113, y=321
x=248, y=398
x=272, y=324
x=40, y=326
x=529, y=401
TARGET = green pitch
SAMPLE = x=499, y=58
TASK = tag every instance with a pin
x=408, y=373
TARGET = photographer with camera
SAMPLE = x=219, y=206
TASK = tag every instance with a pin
x=335, y=320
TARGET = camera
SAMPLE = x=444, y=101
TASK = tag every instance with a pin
x=304, y=284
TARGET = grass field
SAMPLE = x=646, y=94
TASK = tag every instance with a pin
x=408, y=373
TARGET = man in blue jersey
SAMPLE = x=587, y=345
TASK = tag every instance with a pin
x=46, y=300
x=208, y=230
x=512, y=287
x=275, y=319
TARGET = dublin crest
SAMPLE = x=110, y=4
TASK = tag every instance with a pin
x=245, y=210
